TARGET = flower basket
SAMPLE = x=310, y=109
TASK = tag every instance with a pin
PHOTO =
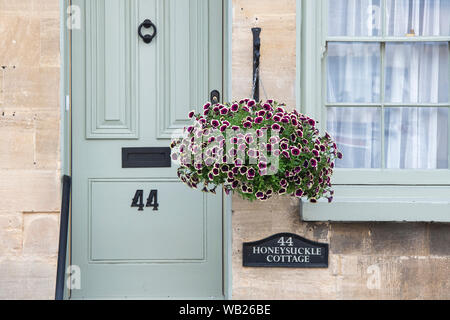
x=257, y=150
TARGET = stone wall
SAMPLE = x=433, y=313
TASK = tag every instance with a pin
x=367, y=261
x=29, y=147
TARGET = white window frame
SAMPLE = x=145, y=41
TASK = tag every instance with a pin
x=362, y=194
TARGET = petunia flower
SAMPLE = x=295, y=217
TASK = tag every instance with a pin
x=259, y=120
x=313, y=163
x=191, y=114
x=286, y=154
x=247, y=124
x=215, y=123
x=251, y=173
x=299, y=193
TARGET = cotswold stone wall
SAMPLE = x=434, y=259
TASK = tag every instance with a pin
x=367, y=261
x=412, y=260
x=29, y=147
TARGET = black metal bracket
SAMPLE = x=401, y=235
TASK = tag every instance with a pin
x=63, y=233
x=256, y=60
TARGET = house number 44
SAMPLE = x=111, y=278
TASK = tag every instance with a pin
x=152, y=200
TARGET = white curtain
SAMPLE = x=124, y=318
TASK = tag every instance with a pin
x=418, y=17
x=364, y=20
x=415, y=137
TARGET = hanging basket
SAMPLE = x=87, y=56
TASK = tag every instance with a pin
x=257, y=150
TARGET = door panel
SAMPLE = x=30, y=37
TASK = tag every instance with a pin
x=129, y=94
x=118, y=230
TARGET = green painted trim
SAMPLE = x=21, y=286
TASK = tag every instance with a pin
x=383, y=203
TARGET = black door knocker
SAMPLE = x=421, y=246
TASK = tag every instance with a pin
x=147, y=24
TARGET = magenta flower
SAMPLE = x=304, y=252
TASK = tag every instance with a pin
x=312, y=122
x=276, y=127
x=191, y=114
x=276, y=118
x=206, y=106
x=313, y=163
x=224, y=111
x=251, y=103
x=215, y=123
x=251, y=173
x=295, y=151
x=299, y=193
x=315, y=153
x=235, y=107
x=249, y=139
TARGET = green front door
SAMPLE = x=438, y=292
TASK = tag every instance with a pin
x=127, y=93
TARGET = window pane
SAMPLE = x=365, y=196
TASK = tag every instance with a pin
x=417, y=72
x=418, y=17
x=353, y=72
x=354, y=18
x=416, y=138
x=357, y=133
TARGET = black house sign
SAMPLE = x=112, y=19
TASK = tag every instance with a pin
x=285, y=250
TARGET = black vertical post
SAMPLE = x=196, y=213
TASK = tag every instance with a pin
x=256, y=59
x=63, y=232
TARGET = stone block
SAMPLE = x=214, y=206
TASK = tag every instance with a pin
x=278, y=42
x=399, y=239
x=29, y=191
x=19, y=39
x=17, y=138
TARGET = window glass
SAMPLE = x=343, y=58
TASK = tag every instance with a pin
x=353, y=72
x=416, y=138
x=354, y=18
x=418, y=17
x=358, y=134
